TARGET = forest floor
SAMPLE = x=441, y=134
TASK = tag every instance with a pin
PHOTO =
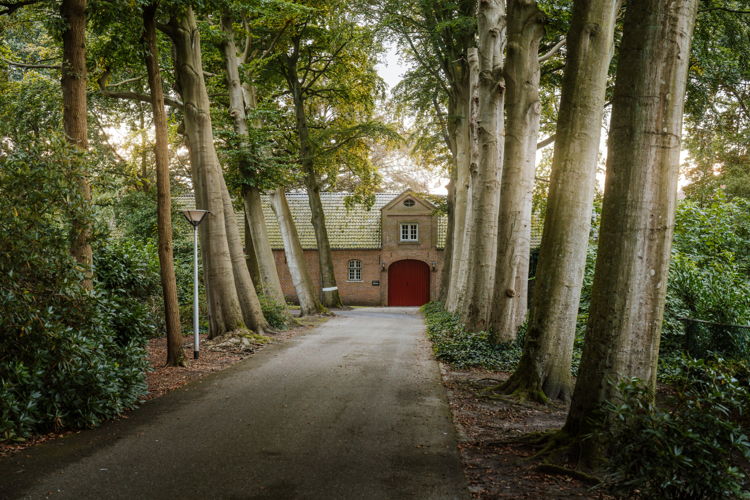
x=497, y=463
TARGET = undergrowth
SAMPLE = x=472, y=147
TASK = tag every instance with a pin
x=462, y=349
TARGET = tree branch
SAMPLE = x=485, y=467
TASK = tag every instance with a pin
x=135, y=96
x=554, y=50
x=546, y=142
x=31, y=66
x=11, y=7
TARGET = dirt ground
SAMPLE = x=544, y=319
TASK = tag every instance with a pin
x=496, y=462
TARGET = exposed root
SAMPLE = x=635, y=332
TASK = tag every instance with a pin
x=549, y=468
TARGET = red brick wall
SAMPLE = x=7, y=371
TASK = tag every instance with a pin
x=373, y=264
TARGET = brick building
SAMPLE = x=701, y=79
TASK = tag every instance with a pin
x=389, y=254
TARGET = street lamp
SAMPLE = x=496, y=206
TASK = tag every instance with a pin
x=195, y=217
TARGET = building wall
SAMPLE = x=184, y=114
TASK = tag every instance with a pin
x=374, y=269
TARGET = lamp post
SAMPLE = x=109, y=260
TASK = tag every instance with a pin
x=195, y=217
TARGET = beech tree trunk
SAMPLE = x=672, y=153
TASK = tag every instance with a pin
x=544, y=369
x=250, y=259
x=330, y=297
x=308, y=299
x=482, y=244
x=269, y=278
x=225, y=312
x=522, y=108
x=463, y=231
x=630, y=282
x=175, y=354
x=461, y=191
x=75, y=121
x=252, y=312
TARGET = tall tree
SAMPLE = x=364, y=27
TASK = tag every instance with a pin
x=627, y=304
x=175, y=354
x=75, y=113
x=308, y=299
x=522, y=108
x=544, y=369
x=221, y=261
x=240, y=99
x=485, y=182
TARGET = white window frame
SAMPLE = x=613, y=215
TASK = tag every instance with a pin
x=354, y=268
x=412, y=232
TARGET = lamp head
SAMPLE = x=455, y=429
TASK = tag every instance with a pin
x=195, y=217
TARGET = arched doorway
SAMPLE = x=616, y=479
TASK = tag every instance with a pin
x=408, y=283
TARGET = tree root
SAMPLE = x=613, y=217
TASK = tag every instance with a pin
x=549, y=468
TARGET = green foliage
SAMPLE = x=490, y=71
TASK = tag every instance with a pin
x=709, y=277
x=691, y=446
x=276, y=314
x=68, y=357
x=453, y=344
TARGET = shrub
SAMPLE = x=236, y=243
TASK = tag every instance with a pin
x=453, y=344
x=689, y=447
x=275, y=313
x=68, y=357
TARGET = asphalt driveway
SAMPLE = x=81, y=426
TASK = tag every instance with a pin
x=354, y=409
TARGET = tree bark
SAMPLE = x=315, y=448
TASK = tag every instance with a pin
x=522, y=108
x=630, y=282
x=175, y=354
x=250, y=259
x=269, y=284
x=330, y=298
x=544, y=369
x=445, y=272
x=252, y=312
x=482, y=245
x=75, y=122
x=225, y=312
x=461, y=251
x=295, y=259
x=269, y=276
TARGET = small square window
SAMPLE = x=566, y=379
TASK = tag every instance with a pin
x=409, y=232
x=355, y=270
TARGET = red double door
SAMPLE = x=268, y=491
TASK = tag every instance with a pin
x=408, y=283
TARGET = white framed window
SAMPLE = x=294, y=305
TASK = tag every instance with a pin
x=409, y=232
x=355, y=270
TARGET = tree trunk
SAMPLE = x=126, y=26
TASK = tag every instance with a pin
x=295, y=259
x=544, y=368
x=459, y=279
x=445, y=272
x=252, y=312
x=225, y=312
x=75, y=121
x=175, y=354
x=330, y=294
x=269, y=276
x=250, y=259
x=630, y=282
x=486, y=186
x=269, y=284
x=525, y=31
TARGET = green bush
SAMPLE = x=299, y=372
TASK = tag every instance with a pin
x=276, y=314
x=68, y=357
x=453, y=344
x=688, y=447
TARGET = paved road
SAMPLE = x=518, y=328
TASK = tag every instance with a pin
x=351, y=410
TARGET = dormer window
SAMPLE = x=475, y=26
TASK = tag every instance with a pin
x=408, y=202
x=409, y=232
